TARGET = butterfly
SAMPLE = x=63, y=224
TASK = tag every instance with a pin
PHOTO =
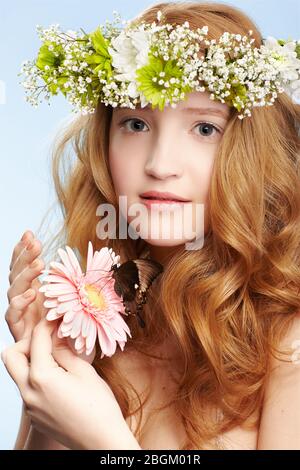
x=132, y=281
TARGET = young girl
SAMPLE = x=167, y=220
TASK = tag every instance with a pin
x=205, y=372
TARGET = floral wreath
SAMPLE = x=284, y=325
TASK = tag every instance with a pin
x=158, y=64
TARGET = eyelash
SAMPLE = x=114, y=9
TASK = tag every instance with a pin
x=122, y=123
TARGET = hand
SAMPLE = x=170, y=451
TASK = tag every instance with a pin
x=23, y=313
x=63, y=394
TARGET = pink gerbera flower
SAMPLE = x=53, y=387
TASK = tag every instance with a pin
x=86, y=302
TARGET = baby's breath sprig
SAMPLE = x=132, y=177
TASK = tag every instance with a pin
x=160, y=63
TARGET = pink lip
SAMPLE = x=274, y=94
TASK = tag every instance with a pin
x=155, y=202
x=162, y=196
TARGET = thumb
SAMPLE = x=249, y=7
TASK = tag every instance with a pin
x=69, y=360
x=88, y=358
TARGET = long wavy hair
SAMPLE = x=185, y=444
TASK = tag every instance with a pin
x=227, y=305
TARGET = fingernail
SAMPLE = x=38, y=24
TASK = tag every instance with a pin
x=28, y=293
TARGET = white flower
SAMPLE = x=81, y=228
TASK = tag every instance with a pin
x=130, y=52
x=293, y=90
x=288, y=65
x=286, y=54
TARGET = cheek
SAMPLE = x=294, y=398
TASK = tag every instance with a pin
x=125, y=170
x=201, y=178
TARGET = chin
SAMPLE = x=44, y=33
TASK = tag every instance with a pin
x=164, y=243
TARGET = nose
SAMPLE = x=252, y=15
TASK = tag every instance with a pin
x=162, y=162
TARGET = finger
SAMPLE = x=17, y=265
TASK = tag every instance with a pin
x=25, y=278
x=17, y=306
x=26, y=256
x=26, y=237
x=66, y=356
x=16, y=361
x=41, y=346
x=81, y=352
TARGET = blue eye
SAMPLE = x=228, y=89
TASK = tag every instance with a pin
x=132, y=119
x=207, y=125
x=139, y=127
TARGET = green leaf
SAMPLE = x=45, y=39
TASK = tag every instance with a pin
x=94, y=59
x=47, y=57
x=59, y=86
x=100, y=59
x=236, y=90
x=99, y=42
x=152, y=90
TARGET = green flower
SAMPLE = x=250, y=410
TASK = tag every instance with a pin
x=100, y=59
x=237, y=90
x=50, y=57
x=152, y=90
x=91, y=96
x=55, y=87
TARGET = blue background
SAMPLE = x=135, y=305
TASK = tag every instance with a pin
x=27, y=133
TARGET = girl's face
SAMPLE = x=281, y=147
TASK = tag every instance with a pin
x=167, y=151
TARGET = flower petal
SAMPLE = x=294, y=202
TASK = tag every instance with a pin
x=68, y=317
x=76, y=325
x=57, y=278
x=65, y=306
x=120, y=327
x=85, y=325
x=66, y=297
x=66, y=327
x=53, y=314
x=89, y=256
x=66, y=261
x=82, y=350
x=58, y=289
x=74, y=261
x=50, y=303
x=107, y=343
x=92, y=336
x=79, y=342
x=61, y=269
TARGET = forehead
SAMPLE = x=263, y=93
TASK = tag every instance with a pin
x=195, y=102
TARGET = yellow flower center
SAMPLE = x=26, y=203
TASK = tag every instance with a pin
x=277, y=56
x=95, y=297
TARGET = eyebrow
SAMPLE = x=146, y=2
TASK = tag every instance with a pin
x=208, y=110
x=189, y=110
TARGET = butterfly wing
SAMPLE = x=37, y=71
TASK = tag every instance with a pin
x=126, y=277
x=148, y=270
x=133, y=279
